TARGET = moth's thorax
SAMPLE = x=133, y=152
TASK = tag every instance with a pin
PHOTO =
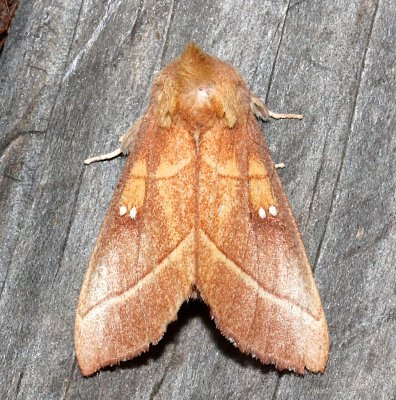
x=198, y=98
x=198, y=106
x=200, y=91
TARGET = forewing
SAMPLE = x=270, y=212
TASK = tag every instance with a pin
x=142, y=267
x=252, y=268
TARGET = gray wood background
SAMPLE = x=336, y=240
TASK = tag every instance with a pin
x=75, y=74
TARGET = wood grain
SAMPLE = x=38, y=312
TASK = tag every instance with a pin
x=73, y=85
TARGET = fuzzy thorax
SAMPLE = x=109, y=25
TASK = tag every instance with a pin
x=199, y=91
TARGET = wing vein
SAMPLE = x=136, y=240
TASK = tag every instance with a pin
x=250, y=280
x=124, y=295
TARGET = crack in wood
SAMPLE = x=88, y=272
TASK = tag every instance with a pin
x=344, y=150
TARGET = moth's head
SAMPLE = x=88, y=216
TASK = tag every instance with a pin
x=202, y=90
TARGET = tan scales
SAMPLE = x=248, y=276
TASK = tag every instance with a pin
x=209, y=215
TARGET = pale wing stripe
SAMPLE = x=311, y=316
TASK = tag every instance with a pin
x=120, y=298
x=228, y=170
x=283, y=302
x=167, y=169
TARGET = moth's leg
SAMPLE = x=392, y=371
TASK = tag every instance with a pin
x=284, y=116
x=261, y=111
x=127, y=140
x=108, y=156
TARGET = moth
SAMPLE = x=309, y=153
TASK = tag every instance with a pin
x=200, y=211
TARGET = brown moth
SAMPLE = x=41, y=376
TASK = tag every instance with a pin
x=200, y=209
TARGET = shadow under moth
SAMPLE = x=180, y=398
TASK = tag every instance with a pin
x=200, y=211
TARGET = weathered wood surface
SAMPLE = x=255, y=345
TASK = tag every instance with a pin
x=74, y=74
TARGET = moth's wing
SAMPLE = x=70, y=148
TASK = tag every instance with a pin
x=253, y=270
x=142, y=267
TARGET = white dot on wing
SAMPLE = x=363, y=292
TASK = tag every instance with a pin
x=123, y=210
x=133, y=213
x=273, y=211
